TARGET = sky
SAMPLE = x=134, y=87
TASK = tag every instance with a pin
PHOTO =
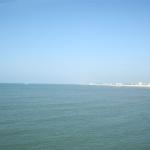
x=74, y=41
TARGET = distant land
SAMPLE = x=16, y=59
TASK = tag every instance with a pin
x=139, y=84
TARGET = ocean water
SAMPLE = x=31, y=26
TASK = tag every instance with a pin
x=74, y=117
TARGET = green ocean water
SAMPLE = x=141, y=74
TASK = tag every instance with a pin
x=74, y=117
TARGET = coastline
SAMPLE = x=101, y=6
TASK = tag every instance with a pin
x=139, y=85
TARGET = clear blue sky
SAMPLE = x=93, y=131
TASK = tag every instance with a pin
x=74, y=41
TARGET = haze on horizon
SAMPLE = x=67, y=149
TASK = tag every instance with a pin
x=74, y=41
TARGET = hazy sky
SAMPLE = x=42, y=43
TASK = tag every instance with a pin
x=74, y=41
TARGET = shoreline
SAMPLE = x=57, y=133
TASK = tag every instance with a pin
x=124, y=85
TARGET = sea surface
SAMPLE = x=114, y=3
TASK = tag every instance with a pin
x=74, y=117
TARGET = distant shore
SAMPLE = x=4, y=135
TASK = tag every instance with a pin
x=138, y=85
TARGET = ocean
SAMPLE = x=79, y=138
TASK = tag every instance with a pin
x=74, y=117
